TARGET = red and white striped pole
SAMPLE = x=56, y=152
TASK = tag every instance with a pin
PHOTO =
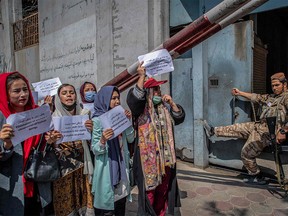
x=188, y=44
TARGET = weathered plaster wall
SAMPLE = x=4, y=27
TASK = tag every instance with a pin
x=9, y=13
x=27, y=63
x=95, y=40
x=67, y=40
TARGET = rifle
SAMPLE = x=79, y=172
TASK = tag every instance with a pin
x=276, y=150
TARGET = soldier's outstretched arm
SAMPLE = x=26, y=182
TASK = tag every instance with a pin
x=237, y=92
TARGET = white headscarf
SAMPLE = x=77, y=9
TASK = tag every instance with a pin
x=61, y=111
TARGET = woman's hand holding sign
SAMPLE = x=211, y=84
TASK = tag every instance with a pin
x=106, y=135
x=6, y=134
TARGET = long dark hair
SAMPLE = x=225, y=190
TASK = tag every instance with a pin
x=65, y=85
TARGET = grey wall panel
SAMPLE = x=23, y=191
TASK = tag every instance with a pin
x=96, y=40
x=182, y=93
x=27, y=63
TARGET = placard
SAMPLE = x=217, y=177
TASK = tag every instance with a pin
x=157, y=62
x=72, y=128
x=47, y=87
x=115, y=119
x=30, y=123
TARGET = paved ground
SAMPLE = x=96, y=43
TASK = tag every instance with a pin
x=221, y=192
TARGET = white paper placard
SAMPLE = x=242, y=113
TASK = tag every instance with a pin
x=47, y=87
x=115, y=119
x=89, y=106
x=72, y=128
x=157, y=62
x=29, y=123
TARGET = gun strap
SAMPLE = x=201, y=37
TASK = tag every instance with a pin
x=283, y=182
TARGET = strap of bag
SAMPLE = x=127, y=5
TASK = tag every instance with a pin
x=39, y=144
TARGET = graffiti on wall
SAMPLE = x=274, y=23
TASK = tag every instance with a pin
x=73, y=59
x=117, y=28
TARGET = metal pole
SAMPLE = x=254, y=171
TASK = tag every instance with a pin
x=188, y=44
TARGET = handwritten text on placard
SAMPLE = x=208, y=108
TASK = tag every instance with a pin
x=115, y=119
x=157, y=62
x=72, y=128
x=29, y=123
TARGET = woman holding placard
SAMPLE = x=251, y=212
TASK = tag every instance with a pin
x=72, y=192
x=22, y=196
x=111, y=175
x=155, y=115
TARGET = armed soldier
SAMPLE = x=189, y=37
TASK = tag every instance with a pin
x=256, y=133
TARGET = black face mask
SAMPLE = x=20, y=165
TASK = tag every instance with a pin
x=69, y=108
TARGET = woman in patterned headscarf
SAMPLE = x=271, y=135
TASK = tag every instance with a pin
x=154, y=155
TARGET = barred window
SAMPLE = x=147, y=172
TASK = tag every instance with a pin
x=25, y=32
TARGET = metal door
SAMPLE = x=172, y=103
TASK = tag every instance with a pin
x=230, y=64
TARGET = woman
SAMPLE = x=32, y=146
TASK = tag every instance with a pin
x=18, y=196
x=154, y=116
x=72, y=192
x=111, y=175
x=87, y=92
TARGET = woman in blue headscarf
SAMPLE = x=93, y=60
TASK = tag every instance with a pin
x=111, y=174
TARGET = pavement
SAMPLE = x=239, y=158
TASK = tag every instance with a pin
x=215, y=191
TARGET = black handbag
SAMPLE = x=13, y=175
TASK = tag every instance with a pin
x=42, y=166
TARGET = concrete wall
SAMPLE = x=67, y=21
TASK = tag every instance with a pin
x=9, y=13
x=96, y=40
x=67, y=43
x=27, y=63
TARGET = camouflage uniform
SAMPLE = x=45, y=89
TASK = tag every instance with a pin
x=257, y=133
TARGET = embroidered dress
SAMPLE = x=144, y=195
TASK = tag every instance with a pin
x=156, y=143
x=154, y=161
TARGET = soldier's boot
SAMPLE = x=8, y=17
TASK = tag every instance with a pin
x=209, y=130
x=255, y=179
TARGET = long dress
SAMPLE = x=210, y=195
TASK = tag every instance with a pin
x=137, y=106
x=72, y=192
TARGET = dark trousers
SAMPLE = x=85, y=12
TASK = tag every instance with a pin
x=32, y=206
x=119, y=209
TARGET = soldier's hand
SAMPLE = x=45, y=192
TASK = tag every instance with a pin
x=235, y=92
x=281, y=136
